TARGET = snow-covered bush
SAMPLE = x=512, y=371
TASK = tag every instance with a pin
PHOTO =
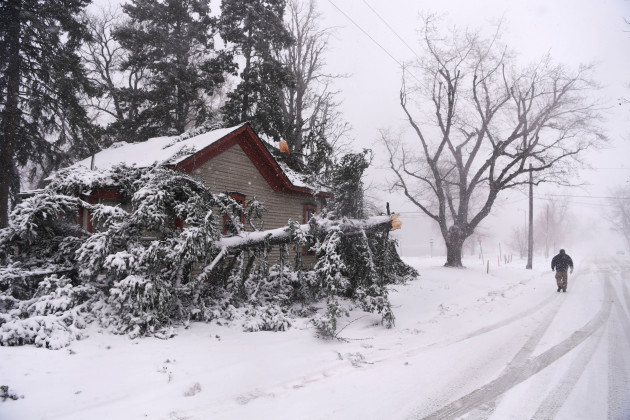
x=346, y=268
x=39, y=240
x=326, y=323
x=267, y=318
x=141, y=306
x=139, y=257
x=273, y=285
x=330, y=266
x=56, y=314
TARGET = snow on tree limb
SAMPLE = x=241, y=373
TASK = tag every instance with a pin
x=319, y=227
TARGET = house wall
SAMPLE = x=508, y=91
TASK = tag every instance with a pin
x=233, y=171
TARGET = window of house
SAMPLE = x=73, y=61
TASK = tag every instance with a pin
x=228, y=227
x=308, y=212
x=107, y=197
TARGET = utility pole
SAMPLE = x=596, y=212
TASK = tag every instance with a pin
x=530, y=242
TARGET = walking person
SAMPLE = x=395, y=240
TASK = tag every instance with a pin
x=561, y=263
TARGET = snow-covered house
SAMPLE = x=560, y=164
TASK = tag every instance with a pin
x=231, y=160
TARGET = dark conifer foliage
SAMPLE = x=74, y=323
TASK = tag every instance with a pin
x=41, y=79
x=348, y=186
x=255, y=29
x=172, y=41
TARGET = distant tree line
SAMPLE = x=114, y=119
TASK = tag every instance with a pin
x=72, y=83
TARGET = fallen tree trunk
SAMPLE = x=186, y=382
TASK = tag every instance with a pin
x=284, y=235
x=318, y=228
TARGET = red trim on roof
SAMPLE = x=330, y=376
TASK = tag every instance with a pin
x=256, y=151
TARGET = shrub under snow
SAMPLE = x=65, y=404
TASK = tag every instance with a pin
x=52, y=318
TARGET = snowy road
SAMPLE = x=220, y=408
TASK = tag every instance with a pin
x=564, y=356
x=467, y=344
x=574, y=349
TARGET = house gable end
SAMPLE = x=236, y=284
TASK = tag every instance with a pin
x=255, y=151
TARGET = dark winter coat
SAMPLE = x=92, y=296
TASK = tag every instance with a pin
x=561, y=262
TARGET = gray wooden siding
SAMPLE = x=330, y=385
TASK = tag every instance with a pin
x=233, y=171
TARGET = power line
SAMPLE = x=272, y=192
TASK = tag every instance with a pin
x=391, y=29
x=373, y=40
x=579, y=203
x=589, y=196
x=366, y=34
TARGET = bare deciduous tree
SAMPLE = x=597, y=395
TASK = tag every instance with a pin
x=518, y=240
x=480, y=122
x=553, y=225
x=131, y=93
x=121, y=90
x=310, y=106
x=619, y=212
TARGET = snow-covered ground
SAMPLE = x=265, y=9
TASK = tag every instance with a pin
x=502, y=345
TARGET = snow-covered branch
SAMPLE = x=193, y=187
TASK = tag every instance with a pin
x=319, y=227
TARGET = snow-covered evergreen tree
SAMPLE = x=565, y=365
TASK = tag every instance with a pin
x=360, y=266
x=254, y=29
x=42, y=122
x=172, y=44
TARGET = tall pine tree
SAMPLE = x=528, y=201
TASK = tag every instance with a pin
x=41, y=80
x=255, y=29
x=173, y=41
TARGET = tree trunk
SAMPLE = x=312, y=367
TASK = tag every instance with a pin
x=530, y=236
x=454, y=254
x=11, y=115
x=454, y=244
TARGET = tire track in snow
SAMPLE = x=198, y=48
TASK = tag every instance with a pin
x=556, y=399
x=618, y=377
x=514, y=375
x=521, y=357
x=624, y=318
x=504, y=322
x=483, y=330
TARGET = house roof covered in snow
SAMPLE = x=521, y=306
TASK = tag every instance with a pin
x=169, y=150
x=190, y=150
